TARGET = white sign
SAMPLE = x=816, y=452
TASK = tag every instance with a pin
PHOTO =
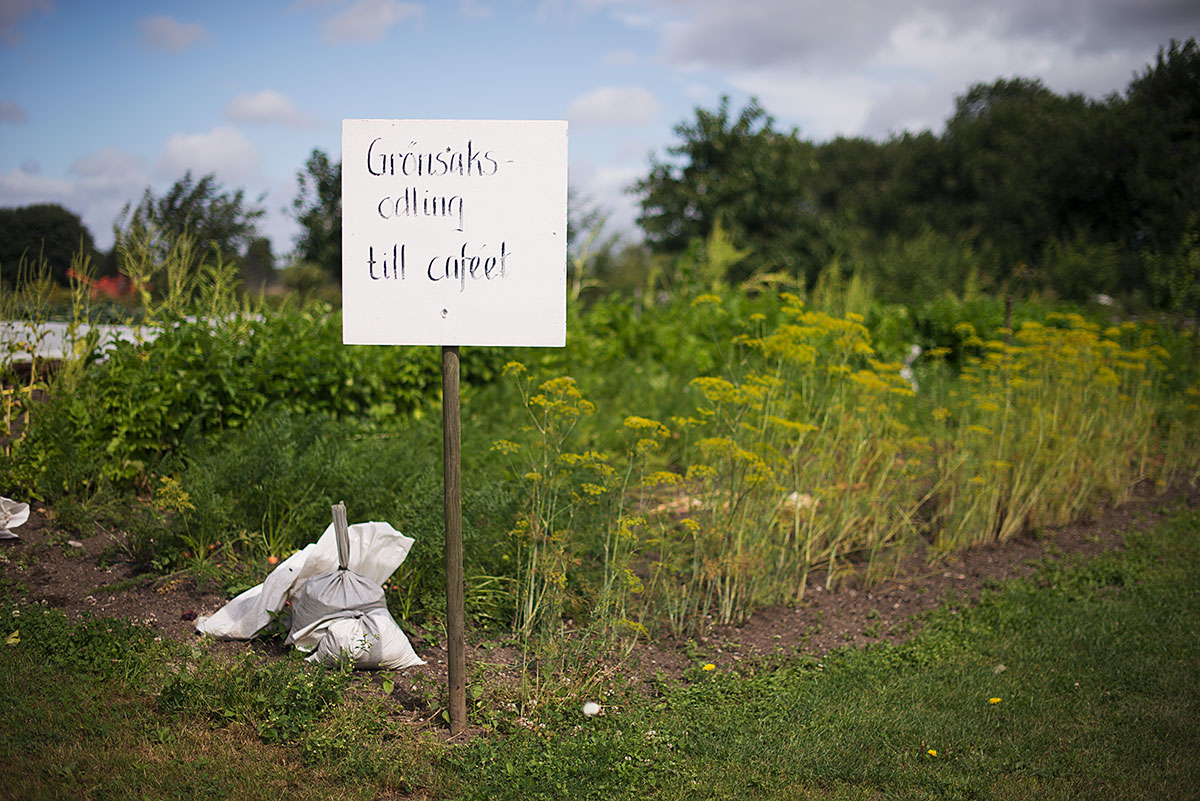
x=454, y=232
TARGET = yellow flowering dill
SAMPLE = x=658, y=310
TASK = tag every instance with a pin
x=661, y=478
x=716, y=390
x=978, y=480
x=690, y=525
x=533, y=476
x=627, y=527
x=647, y=426
x=941, y=414
x=758, y=317
x=513, y=368
x=718, y=445
x=593, y=489
x=988, y=406
x=171, y=497
x=506, y=447
x=980, y=430
x=700, y=471
x=792, y=425
x=702, y=300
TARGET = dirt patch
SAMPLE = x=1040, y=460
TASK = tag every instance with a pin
x=85, y=576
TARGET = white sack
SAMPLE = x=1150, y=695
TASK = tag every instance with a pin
x=12, y=514
x=342, y=593
x=372, y=642
x=377, y=550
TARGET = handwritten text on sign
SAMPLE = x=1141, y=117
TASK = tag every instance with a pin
x=454, y=232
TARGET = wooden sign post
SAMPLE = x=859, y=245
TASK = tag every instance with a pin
x=454, y=232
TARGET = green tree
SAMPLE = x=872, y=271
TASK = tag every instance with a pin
x=757, y=180
x=214, y=216
x=258, y=266
x=1175, y=276
x=41, y=231
x=1161, y=136
x=318, y=209
x=1028, y=166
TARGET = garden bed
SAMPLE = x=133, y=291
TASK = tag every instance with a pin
x=87, y=577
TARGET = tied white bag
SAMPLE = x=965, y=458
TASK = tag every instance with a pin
x=377, y=550
x=343, y=616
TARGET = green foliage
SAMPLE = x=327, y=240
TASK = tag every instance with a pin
x=216, y=218
x=281, y=699
x=928, y=265
x=196, y=379
x=1160, y=126
x=752, y=177
x=265, y=490
x=1175, y=276
x=120, y=651
x=44, y=232
x=318, y=209
x=1078, y=268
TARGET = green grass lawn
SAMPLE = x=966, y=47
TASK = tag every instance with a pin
x=1095, y=665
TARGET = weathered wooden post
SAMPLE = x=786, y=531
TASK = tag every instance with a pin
x=452, y=495
x=454, y=232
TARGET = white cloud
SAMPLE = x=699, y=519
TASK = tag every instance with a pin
x=11, y=112
x=13, y=11
x=223, y=151
x=369, y=20
x=22, y=188
x=603, y=187
x=268, y=107
x=614, y=105
x=161, y=32
x=870, y=66
x=97, y=187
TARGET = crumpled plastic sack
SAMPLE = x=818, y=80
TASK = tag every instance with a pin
x=12, y=514
x=370, y=641
x=376, y=551
x=327, y=597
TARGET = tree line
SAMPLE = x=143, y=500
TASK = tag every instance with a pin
x=1024, y=190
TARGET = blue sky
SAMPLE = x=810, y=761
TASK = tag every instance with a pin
x=101, y=98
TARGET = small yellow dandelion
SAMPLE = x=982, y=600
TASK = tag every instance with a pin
x=932, y=752
x=709, y=666
x=993, y=700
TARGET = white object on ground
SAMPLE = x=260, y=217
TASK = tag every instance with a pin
x=377, y=550
x=372, y=642
x=12, y=514
x=591, y=708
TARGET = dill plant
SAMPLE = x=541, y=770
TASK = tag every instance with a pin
x=801, y=460
x=1041, y=431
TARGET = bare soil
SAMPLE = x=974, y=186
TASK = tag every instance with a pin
x=50, y=565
